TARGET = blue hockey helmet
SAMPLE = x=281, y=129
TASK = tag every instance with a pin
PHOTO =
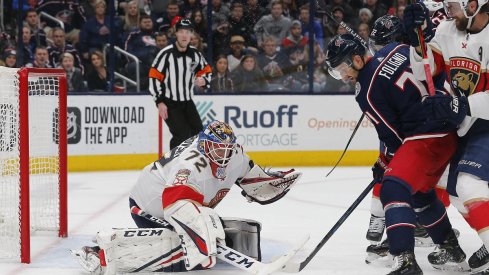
x=340, y=50
x=386, y=29
x=217, y=142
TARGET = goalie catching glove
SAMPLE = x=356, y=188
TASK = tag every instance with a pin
x=265, y=187
x=200, y=229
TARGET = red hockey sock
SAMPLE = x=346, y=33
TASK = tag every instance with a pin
x=442, y=196
x=477, y=217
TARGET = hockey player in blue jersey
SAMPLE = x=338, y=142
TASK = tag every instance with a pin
x=391, y=98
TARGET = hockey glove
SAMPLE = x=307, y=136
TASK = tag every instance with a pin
x=417, y=16
x=266, y=186
x=446, y=109
x=379, y=167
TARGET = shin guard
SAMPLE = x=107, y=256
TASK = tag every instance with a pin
x=399, y=216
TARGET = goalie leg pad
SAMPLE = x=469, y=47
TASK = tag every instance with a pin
x=140, y=249
x=243, y=235
x=200, y=229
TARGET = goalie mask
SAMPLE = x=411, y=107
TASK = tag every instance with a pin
x=217, y=142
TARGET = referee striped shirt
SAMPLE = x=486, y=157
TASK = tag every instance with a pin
x=173, y=73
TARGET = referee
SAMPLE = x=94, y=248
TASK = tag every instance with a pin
x=175, y=71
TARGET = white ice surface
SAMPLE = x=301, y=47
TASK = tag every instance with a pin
x=99, y=200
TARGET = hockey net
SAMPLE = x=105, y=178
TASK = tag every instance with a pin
x=33, y=195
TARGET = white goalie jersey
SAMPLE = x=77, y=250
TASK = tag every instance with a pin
x=185, y=174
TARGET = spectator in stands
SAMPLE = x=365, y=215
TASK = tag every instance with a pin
x=199, y=23
x=131, y=18
x=189, y=7
x=400, y=12
x=59, y=46
x=347, y=9
x=377, y=9
x=141, y=43
x=163, y=23
x=295, y=37
x=238, y=26
x=220, y=13
x=364, y=31
x=69, y=12
x=41, y=58
x=196, y=42
x=221, y=38
x=38, y=36
x=317, y=29
x=290, y=9
x=365, y=16
x=237, y=46
x=253, y=12
x=248, y=77
x=161, y=40
x=74, y=75
x=10, y=58
x=97, y=74
x=29, y=46
x=221, y=80
x=275, y=65
x=95, y=33
x=394, y=8
x=88, y=7
x=158, y=10
x=274, y=25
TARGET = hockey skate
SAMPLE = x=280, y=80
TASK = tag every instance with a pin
x=423, y=239
x=375, y=229
x=449, y=255
x=405, y=264
x=479, y=261
x=88, y=258
x=379, y=253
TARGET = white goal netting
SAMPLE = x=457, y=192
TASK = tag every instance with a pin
x=44, y=172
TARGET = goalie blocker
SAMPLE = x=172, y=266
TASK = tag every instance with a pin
x=159, y=249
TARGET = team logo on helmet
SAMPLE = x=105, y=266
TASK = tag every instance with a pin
x=464, y=75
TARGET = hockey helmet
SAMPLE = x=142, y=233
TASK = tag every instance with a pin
x=184, y=24
x=340, y=51
x=386, y=29
x=452, y=6
x=217, y=142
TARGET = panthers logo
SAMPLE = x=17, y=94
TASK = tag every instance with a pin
x=464, y=75
x=464, y=82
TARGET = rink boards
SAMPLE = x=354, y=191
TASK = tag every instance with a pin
x=120, y=132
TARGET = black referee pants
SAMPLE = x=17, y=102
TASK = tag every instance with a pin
x=183, y=121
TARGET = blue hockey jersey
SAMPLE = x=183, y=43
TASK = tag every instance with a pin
x=390, y=96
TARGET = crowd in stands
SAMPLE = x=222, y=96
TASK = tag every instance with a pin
x=256, y=45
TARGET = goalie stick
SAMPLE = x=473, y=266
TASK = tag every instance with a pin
x=236, y=258
x=293, y=267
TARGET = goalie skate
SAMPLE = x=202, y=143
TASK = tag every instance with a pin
x=88, y=258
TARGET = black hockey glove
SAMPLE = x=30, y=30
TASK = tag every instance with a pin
x=379, y=167
x=415, y=16
x=446, y=109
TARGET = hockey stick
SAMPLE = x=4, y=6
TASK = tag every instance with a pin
x=236, y=258
x=426, y=61
x=322, y=7
x=294, y=267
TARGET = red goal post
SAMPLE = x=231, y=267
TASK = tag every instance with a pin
x=33, y=157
